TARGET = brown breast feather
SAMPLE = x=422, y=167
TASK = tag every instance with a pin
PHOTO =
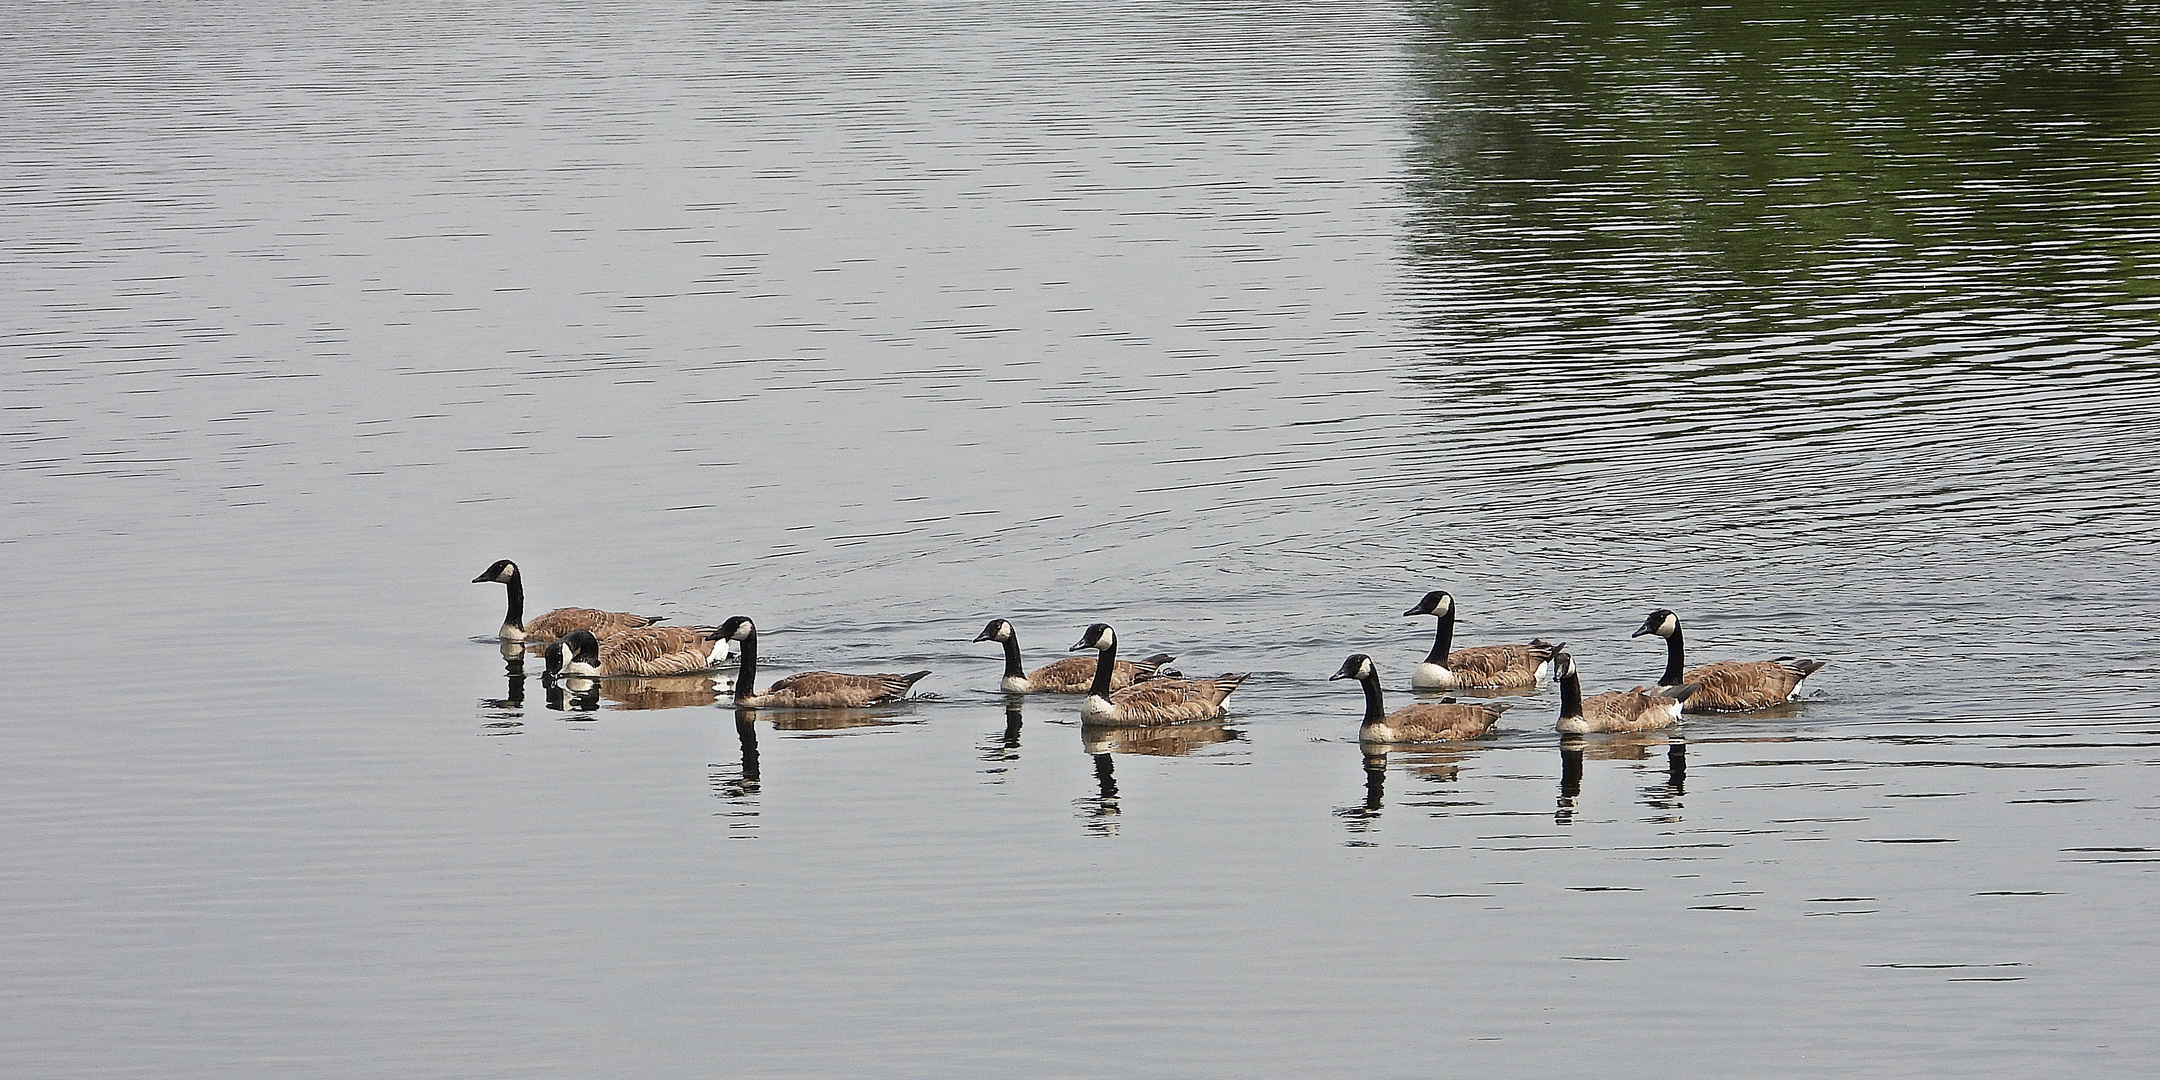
x=557, y=624
x=657, y=650
x=1442, y=721
x=1627, y=710
x=1076, y=675
x=1738, y=685
x=1170, y=701
x=832, y=690
x=1497, y=665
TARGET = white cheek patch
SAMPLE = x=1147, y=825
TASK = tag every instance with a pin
x=1669, y=625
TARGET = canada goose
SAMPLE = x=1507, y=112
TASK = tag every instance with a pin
x=1640, y=709
x=1071, y=675
x=555, y=624
x=648, y=651
x=1156, y=701
x=1728, y=685
x=810, y=689
x=1484, y=667
x=1426, y=721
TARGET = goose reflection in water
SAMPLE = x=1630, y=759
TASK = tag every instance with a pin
x=826, y=721
x=671, y=692
x=1440, y=764
x=572, y=695
x=737, y=784
x=1100, y=742
x=506, y=713
x=1000, y=748
x=1633, y=746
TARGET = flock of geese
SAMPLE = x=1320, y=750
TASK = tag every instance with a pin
x=585, y=642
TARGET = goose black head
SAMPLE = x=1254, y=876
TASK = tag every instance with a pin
x=1098, y=637
x=997, y=630
x=736, y=628
x=1357, y=666
x=576, y=647
x=1661, y=622
x=1436, y=602
x=504, y=570
x=1563, y=665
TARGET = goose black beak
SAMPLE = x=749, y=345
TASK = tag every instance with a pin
x=1647, y=628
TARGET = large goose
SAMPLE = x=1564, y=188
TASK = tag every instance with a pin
x=649, y=651
x=1426, y=721
x=1072, y=675
x=1484, y=667
x=556, y=624
x=810, y=689
x=1728, y=685
x=1156, y=701
x=1640, y=709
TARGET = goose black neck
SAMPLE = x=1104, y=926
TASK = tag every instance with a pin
x=746, y=671
x=1570, y=695
x=1443, y=637
x=1105, y=660
x=516, y=615
x=1013, y=669
x=1375, y=705
x=1674, y=662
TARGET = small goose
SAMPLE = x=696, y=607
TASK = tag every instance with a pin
x=810, y=689
x=1426, y=721
x=554, y=625
x=649, y=651
x=1156, y=701
x=1484, y=667
x=1728, y=685
x=1072, y=675
x=1640, y=709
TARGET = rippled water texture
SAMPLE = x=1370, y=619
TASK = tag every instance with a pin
x=1835, y=329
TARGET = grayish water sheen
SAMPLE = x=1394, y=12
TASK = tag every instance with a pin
x=1835, y=329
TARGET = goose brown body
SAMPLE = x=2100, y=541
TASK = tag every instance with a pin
x=555, y=625
x=1727, y=685
x=1423, y=722
x=1156, y=701
x=1070, y=675
x=1640, y=709
x=651, y=651
x=1484, y=667
x=809, y=689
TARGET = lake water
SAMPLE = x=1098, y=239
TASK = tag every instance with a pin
x=1836, y=330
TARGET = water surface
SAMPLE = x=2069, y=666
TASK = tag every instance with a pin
x=1238, y=327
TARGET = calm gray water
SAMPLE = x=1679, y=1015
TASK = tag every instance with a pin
x=1238, y=326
